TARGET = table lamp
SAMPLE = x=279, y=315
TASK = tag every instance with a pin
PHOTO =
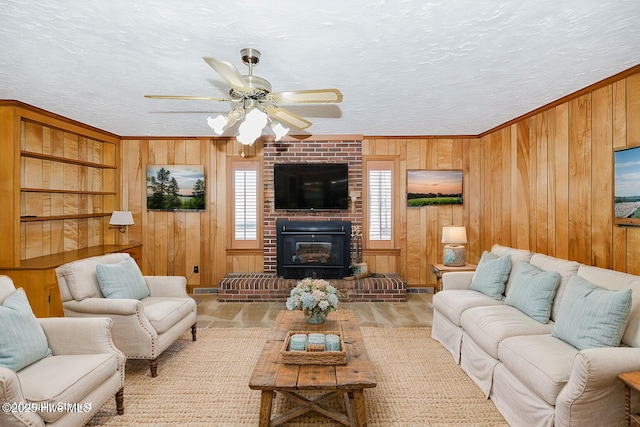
x=454, y=239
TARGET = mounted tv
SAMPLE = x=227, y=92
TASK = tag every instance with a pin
x=626, y=201
x=311, y=186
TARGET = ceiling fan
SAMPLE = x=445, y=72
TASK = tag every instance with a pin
x=259, y=104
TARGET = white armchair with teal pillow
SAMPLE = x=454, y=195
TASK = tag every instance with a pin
x=149, y=312
x=54, y=371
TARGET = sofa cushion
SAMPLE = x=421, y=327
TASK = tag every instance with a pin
x=452, y=303
x=611, y=279
x=591, y=316
x=491, y=275
x=22, y=340
x=69, y=378
x=541, y=362
x=489, y=325
x=532, y=291
x=516, y=255
x=163, y=312
x=122, y=280
x=565, y=268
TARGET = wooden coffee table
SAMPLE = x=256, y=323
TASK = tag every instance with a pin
x=346, y=382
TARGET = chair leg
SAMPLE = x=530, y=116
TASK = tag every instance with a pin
x=193, y=332
x=153, y=365
x=120, y=401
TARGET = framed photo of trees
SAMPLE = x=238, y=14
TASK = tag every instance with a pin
x=175, y=187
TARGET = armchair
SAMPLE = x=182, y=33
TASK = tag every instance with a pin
x=81, y=368
x=142, y=328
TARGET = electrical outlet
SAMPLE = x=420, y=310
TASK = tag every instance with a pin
x=196, y=269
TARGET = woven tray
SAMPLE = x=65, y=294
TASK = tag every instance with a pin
x=313, y=357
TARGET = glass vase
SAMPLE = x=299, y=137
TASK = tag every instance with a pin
x=315, y=317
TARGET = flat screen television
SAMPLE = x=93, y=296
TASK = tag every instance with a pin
x=311, y=186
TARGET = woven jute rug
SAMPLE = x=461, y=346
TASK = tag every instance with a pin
x=205, y=383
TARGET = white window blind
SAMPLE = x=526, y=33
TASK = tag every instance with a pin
x=246, y=204
x=380, y=204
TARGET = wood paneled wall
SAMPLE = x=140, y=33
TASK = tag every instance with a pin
x=546, y=181
x=420, y=228
x=175, y=242
x=542, y=183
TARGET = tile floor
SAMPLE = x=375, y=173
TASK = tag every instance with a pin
x=415, y=312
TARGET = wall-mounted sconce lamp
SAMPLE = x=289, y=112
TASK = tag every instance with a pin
x=120, y=220
x=454, y=239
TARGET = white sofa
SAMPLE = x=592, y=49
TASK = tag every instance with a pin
x=143, y=325
x=70, y=383
x=533, y=377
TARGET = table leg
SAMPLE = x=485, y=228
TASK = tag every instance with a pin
x=266, y=400
x=359, y=407
x=627, y=405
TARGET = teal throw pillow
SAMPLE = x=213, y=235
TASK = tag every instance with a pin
x=22, y=340
x=532, y=291
x=122, y=280
x=491, y=275
x=591, y=316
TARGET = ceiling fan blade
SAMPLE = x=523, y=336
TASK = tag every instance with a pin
x=230, y=74
x=307, y=96
x=287, y=117
x=196, y=98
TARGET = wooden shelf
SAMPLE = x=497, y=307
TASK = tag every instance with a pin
x=64, y=178
x=65, y=160
x=56, y=260
x=61, y=217
x=90, y=193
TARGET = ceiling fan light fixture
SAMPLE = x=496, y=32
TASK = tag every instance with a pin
x=221, y=122
x=280, y=131
x=251, y=129
x=259, y=103
x=217, y=124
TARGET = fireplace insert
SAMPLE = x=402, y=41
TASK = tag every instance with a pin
x=319, y=249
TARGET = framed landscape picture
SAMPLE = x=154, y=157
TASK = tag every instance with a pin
x=626, y=201
x=175, y=187
x=434, y=187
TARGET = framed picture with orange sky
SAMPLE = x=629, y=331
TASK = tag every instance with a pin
x=434, y=187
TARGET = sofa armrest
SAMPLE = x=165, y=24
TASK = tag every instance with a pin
x=593, y=387
x=66, y=335
x=457, y=280
x=11, y=393
x=167, y=286
x=604, y=364
x=104, y=306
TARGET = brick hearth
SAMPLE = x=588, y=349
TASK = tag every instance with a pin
x=249, y=287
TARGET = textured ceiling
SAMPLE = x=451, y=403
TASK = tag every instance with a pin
x=438, y=67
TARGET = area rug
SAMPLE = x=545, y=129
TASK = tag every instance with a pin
x=205, y=383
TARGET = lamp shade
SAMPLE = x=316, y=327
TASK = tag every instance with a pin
x=121, y=218
x=454, y=235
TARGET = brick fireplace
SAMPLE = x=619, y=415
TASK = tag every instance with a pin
x=268, y=286
x=303, y=151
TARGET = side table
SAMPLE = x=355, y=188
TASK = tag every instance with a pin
x=631, y=381
x=440, y=269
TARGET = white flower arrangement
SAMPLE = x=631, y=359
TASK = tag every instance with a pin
x=313, y=295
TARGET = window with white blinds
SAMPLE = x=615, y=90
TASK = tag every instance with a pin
x=380, y=204
x=245, y=187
